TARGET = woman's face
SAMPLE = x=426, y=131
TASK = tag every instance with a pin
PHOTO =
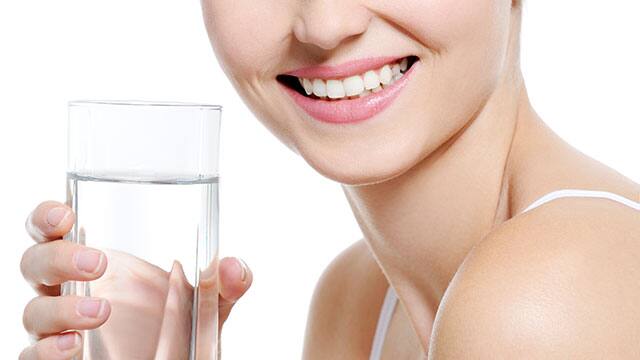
x=460, y=45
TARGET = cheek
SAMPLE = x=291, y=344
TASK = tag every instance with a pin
x=250, y=39
x=248, y=36
x=468, y=41
x=445, y=23
x=468, y=37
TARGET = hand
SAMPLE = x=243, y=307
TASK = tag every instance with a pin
x=52, y=261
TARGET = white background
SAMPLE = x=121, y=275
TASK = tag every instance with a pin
x=580, y=60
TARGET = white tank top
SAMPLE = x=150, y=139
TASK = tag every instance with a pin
x=391, y=298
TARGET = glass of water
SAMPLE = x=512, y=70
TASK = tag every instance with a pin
x=142, y=179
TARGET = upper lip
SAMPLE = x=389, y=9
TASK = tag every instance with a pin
x=343, y=70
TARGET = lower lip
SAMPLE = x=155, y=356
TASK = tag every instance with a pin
x=350, y=110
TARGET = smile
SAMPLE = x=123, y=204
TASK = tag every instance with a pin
x=348, y=93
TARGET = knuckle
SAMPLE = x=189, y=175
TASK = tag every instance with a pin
x=41, y=352
x=56, y=260
x=30, y=263
x=28, y=315
x=44, y=315
x=25, y=261
x=24, y=354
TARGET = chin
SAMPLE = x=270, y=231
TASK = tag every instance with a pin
x=358, y=168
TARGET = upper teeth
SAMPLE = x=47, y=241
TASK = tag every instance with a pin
x=357, y=85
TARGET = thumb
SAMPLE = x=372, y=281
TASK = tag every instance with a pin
x=235, y=279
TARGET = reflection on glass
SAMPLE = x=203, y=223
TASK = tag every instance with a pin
x=142, y=179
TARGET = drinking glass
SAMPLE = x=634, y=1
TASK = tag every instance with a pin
x=142, y=179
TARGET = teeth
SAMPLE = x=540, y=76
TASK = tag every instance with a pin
x=319, y=88
x=395, y=69
x=353, y=85
x=335, y=89
x=404, y=64
x=356, y=86
x=308, y=86
x=390, y=83
x=364, y=93
x=385, y=75
x=371, y=80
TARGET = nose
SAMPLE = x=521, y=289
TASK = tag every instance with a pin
x=327, y=23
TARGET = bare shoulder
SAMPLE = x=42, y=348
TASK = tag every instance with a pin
x=560, y=281
x=342, y=315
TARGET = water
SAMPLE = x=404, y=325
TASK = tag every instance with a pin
x=161, y=241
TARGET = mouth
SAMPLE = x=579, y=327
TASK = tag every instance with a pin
x=352, y=92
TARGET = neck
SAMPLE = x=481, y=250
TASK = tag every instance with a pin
x=421, y=225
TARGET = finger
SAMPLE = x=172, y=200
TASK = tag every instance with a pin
x=55, y=262
x=173, y=338
x=235, y=278
x=58, y=347
x=49, y=221
x=47, y=315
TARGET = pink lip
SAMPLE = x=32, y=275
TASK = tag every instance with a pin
x=350, y=110
x=343, y=70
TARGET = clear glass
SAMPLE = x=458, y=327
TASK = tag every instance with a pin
x=142, y=178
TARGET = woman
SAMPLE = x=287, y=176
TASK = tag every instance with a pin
x=485, y=234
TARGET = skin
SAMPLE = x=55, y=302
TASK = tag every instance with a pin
x=446, y=169
x=437, y=183
x=52, y=261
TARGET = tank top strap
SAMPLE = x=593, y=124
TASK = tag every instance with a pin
x=564, y=193
x=391, y=298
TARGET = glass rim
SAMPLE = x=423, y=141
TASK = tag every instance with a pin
x=147, y=103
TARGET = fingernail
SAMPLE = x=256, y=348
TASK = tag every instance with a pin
x=88, y=260
x=68, y=341
x=56, y=215
x=90, y=307
x=244, y=268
